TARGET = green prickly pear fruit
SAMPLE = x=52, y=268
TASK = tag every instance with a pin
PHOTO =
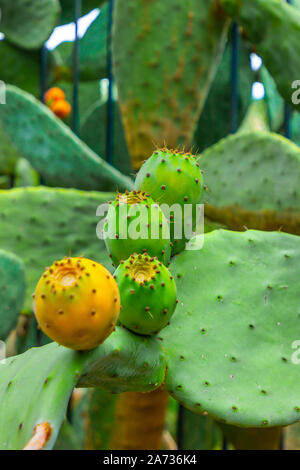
x=148, y=294
x=136, y=224
x=173, y=177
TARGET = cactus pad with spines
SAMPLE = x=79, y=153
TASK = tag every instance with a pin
x=28, y=382
x=172, y=177
x=12, y=291
x=62, y=220
x=136, y=224
x=162, y=95
x=148, y=294
x=27, y=26
x=234, y=329
x=60, y=157
x=253, y=181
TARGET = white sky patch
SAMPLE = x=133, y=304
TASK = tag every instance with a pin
x=256, y=61
x=258, y=91
x=67, y=31
x=1, y=36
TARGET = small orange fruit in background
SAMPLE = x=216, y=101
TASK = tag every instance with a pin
x=61, y=108
x=54, y=94
x=77, y=303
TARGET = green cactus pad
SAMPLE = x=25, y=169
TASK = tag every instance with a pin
x=67, y=14
x=214, y=122
x=148, y=294
x=35, y=386
x=93, y=133
x=162, y=95
x=125, y=362
x=172, y=177
x=12, y=291
x=133, y=214
x=253, y=181
x=41, y=225
x=232, y=336
x=256, y=118
x=273, y=26
x=92, y=50
x=21, y=68
x=25, y=175
x=275, y=103
x=52, y=149
x=27, y=25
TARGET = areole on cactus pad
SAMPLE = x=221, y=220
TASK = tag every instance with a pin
x=77, y=303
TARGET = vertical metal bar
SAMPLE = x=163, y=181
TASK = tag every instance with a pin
x=43, y=89
x=234, y=78
x=43, y=71
x=110, y=100
x=287, y=114
x=76, y=78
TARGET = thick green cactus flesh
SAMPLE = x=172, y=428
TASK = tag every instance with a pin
x=232, y=343
x=148, y=294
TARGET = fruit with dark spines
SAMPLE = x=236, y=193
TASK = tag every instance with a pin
x=173, y=177
x=135, y=214
x=77, y=303
x=148, y=294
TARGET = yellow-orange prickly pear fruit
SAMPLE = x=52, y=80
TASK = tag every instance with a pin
x=61, y=108
x=77, y=303
x=54, y=94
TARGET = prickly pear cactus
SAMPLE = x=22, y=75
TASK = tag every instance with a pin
x=148, y=294
x=132, y=212
x=275, y=104
x=162, y=95
x=256, y=118
x=71, y=308
x=172, y=177
x=253, y=181
x=29, y=382
x=92, y=50
x=93, y=133
x=27, y=26
x=67, y=6
x=214, y=122
x=25, y=175
x=238, y=307
x=62, y=220
x=52, y=149
x=273, y=26
x=12, y=291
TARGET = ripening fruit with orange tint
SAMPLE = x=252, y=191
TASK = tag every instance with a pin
x=61, y=108
x=54, y=94
x=77, y=303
